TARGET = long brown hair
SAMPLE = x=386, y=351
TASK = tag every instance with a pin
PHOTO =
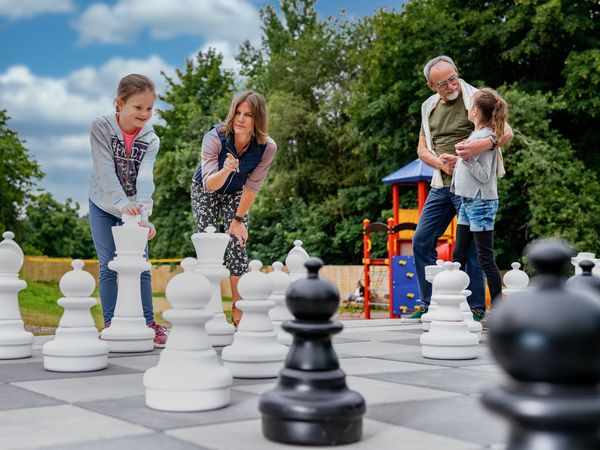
x=134, y=84
x=494, y=110
x=258, y=107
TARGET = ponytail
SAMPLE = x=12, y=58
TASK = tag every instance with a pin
x=493, y=108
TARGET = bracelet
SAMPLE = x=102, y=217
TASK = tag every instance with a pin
x=238, y=218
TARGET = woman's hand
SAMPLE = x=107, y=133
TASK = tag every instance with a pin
x=238, y=229
x=231, y=164
x=133, y=209
x=152, y=231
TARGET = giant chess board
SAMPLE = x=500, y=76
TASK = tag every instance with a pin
x=412, y=402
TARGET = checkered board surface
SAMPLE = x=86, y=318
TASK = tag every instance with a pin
x=412, y=402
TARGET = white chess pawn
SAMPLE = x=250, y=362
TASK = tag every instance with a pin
x=128, y=331
x=188, y=376
x=295, y=260
x=582, y=256
x=449, y=336
x=515, y=280
x=472, y=324
x=210, y=251
x=76, y=347
x=430, y=273
x=15, y=342
x=280, y=313
x=255, y=352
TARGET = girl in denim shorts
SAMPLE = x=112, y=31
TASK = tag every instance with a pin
x=475, y=181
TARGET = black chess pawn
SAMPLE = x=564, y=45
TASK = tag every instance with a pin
x=585, y=282
x=311, y=404
x=548, y=340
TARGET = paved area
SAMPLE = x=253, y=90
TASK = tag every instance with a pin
x=412, y=402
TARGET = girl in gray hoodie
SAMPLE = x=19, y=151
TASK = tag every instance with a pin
x=124, y=147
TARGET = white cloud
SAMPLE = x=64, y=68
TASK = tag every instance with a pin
x=230, y=20
x=229, y=51
x=22, y=9
x=53, y=116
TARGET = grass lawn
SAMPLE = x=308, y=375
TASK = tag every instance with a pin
x=41, y=312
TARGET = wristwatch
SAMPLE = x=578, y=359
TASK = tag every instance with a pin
x=494, y=140
x=238, y=218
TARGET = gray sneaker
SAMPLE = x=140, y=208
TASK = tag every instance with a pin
x=485, y=322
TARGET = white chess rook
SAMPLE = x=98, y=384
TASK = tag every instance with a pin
x=449, y=336
x=515, y=280
x=76, y=347
x=255, y=352
x=188, y=376
x=128, y=331
x=15, y=342
x=280, y=313
x=210, y=250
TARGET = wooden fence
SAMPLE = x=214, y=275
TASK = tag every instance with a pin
x=41, y=268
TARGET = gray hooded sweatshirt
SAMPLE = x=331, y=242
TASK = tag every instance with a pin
x=118, y=178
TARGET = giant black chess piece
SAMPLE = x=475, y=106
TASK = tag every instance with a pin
x=311, y=404
x=548, y=339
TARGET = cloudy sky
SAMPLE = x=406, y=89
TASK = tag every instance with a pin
x=60, y=62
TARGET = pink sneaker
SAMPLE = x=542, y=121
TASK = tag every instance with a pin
x=160, y=337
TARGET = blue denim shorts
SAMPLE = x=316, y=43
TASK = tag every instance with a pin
x=478, y=213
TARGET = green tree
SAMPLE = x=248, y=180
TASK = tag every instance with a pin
x=18, y=175
x=198, y=99
x=55, y=229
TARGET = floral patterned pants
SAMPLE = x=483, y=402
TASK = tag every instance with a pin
x=207, y=207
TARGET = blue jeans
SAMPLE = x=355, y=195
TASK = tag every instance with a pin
x=440, y=208
x=477, y=213
x=101, y=224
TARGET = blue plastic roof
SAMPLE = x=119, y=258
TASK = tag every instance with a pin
x=410, y=174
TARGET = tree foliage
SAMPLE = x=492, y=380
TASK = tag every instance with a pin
x=344, y=100
x=18, y=175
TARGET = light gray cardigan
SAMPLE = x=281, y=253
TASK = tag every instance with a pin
x=478, y=174
x=118, y=178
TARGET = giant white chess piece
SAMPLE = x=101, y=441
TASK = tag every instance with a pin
x=295, y=260
x=430, y=273
x=255, y=352
x=210, y=251
x=449, y=336
x=472, y=324
x=280, y=313
x=515, y=280
x=15, y=342
x=128, y=331
x=76, y=347
x=582, y=256
x=188, y=376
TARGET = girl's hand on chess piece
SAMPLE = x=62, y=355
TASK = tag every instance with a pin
x=152, y=231
x=133, y=209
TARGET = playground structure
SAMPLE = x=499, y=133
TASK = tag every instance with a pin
x=399, y=265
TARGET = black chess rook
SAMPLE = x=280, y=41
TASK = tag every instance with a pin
x=311, y=404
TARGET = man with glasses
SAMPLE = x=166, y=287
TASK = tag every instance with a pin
x=444, y=127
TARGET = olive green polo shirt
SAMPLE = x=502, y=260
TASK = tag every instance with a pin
x=449, y=124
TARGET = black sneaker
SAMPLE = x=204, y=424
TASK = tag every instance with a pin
x=478, y=314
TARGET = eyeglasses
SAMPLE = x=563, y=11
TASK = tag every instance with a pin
x=442, y=84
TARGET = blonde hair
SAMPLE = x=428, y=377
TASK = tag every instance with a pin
x=258, y=107
x=494, y=110
x=134, y=84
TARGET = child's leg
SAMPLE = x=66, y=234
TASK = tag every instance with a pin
x=464, y=237
x=462, y=246
x=101, y=224
x=484, y=243
x=146, y=289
